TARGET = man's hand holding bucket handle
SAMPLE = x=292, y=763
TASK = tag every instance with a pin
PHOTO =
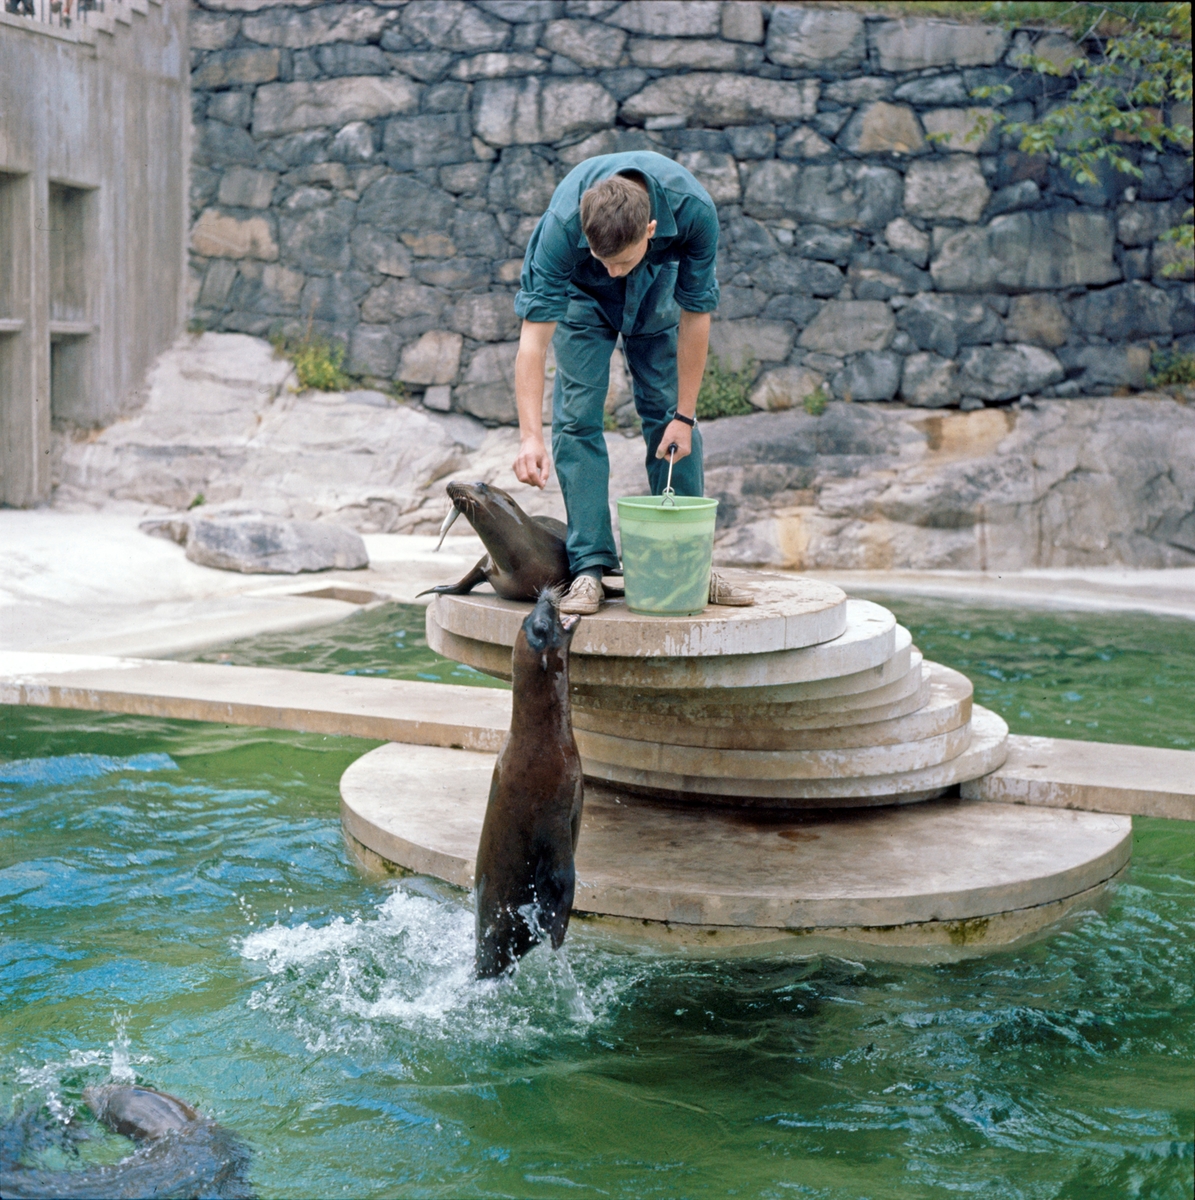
x=692, y=344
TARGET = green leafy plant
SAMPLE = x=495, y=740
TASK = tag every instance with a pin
x=1121, y=98
x=317, y=361
x=198, y=502
x=1172, y=368
x=724, y=391
x=815, y=403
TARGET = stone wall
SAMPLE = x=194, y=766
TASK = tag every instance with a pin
x=373, y=171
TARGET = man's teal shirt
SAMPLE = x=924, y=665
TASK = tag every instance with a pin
x=563, y=282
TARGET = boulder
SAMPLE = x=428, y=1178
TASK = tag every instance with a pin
x=850, y=93
x=743, y=22
x=933, y=89
x=943, y=323
x=399, y=204
x=288, y=107
x=804, y=142
x=850, y=326
x=273, y=546
x=488, y=389
x=1043, y=250
x=873, y=375
x=1025, y=194
x=1037, y=320
x=877, y=276
x=715, y=99
x=928, y=381
x=319, y=240
x=828, y=245
x=373, y=350
x=374, y=251
x=914, y=45
x=946, y=189
x=784, y=388
x=737, y=342
x=669, y=18
x=816, y=39
x=1139, y=224
x=218, y=235
x=1097, y=368
x=355, y=143
x=230, y=68
x=883, y=128
x=211, y=31
x=844, y=194
x=433, y=140
x=397, y=299
x=525, y=111
x=497, y=65
x=1126, y=312
x=798, y=276
x=434, y=359
x=1005, y=372
x=671, y=54
x=233, y=108
x=522, y=180
x=587, y=43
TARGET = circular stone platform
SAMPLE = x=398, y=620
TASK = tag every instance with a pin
x=942, y=879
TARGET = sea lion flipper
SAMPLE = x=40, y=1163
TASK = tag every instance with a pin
x=466, y=585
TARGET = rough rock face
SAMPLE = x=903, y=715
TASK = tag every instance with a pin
x=1061, y=483
x=375, y=170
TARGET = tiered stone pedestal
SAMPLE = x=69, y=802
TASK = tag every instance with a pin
x=805, y=700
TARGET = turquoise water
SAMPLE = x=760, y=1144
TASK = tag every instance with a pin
x=176, y=904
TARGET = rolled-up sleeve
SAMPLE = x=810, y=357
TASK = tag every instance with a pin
x=696, y=277
x=547, y=265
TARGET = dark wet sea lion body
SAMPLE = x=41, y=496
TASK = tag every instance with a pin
x=180, y=1153
x=526, y=554
x=524, y=875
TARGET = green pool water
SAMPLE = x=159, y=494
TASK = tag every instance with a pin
x=176, y=905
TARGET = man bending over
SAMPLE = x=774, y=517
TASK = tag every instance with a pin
x=627, y=246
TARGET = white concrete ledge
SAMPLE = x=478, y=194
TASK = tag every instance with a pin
x=1142, y=781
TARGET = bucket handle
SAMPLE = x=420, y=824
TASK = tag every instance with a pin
x=668, y=497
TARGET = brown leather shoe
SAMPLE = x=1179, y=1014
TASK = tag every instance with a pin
x=722, y=591
x=584, y=597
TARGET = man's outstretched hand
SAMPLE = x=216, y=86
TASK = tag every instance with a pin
x=680, y=435
x=532, y=466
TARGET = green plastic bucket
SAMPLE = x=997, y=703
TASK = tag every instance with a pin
x=667, y=552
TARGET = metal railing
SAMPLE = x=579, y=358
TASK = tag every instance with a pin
x=62, y=13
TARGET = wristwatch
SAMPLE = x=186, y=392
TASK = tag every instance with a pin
x=690, y=421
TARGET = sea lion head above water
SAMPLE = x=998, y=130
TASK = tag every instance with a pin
x=525, y=874
x=526, y=554
x=139, y=1112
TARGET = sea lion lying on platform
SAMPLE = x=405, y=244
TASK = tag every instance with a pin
x=526, y=554
x=524, y=874
x=181, y=1152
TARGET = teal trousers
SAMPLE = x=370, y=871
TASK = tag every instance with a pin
x=578, y=443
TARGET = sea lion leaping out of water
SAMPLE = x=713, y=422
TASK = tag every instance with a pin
x=526, y=554
x=524, y=873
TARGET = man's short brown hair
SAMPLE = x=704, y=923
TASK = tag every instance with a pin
x=614, y=215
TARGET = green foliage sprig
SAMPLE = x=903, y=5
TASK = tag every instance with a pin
x=317, y=362
x=1172, y=368
x=725, y=392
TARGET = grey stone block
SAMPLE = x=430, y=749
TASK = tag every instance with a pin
x=476, y=234
x=908, y=241
x=735, y=342
x=446, y=97
x=781, y=273
x=243, y=188
x=850, y=93
x=498, y=65
x=856, y=194
x=1127, y=312
x=376, y=251
x=743, y=22
x=437, y=139
x=934, y=90
x=588, y=43
x=397, y=299
x=233, y=108
x=319, y=240
x=943, y=323
x=217, y=282
x=624, y=82
x=828, y=245
x=716, y=99
x=228, y=68
x=872, y=375
x=929, y=381
x=1141, y=224
x=401, y=204
x=487, y=391
x=286, y=107
x=1006, y=372
x=507, y=112
x=846, y=327
x=373, y=350
x=426, y=66
x=334, y=298
x=465, y=179
x=212, y=31
x=1037, y=319
x=717, y=173
x=883, y=128
x=877, y=276
x=914, y=45
x=272, y=546
x=455, y=273
x=1025, y=194
x=805, y=142
x=522, y=180
x=344, y=59
x=434, y=359
x=690, y=54
x=669, y=18
x=946, y=189
x=485, y=317
x=818, y=39
x=751, y=141
x=800, y=310
x=453, y=25
x=522, y=11
x=1097, y=368
x=736, y=302
x=221, y=145
x=316, y=27
x=355, y=143
x=1046, y=249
